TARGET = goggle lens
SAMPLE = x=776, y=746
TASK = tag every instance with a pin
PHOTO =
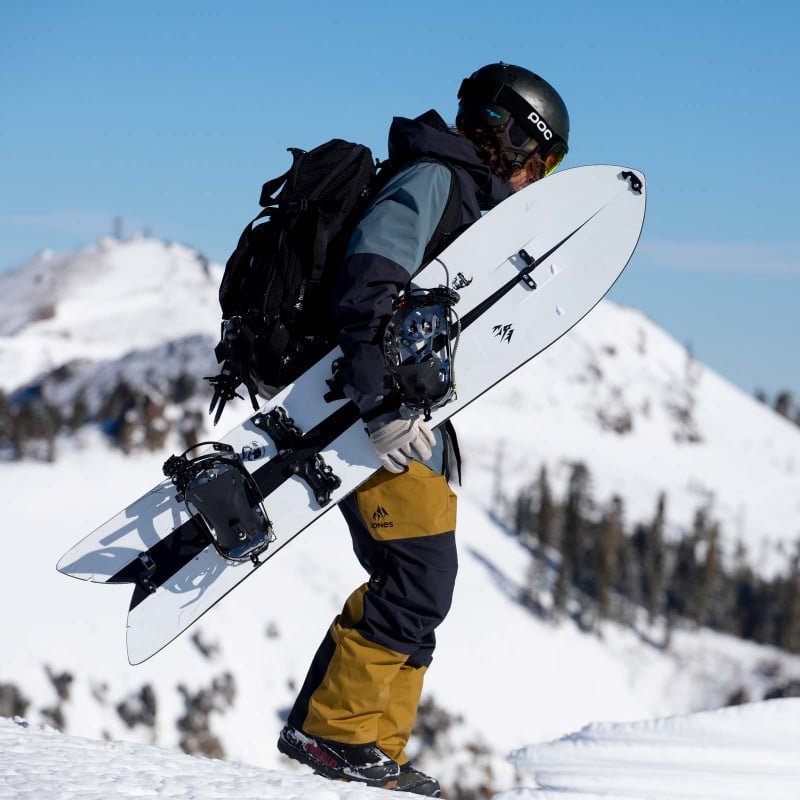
x=554, y=159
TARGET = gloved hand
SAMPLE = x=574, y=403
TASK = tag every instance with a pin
x=400, y=441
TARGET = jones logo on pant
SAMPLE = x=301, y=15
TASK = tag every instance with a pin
x=379, y=518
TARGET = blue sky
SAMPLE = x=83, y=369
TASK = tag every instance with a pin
x=170, y=115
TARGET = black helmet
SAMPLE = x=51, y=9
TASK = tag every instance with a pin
x=524, y=110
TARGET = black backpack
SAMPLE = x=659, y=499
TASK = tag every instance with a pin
x=276, y=289
x=278, y=284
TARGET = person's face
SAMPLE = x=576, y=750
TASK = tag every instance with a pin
x=520, y=179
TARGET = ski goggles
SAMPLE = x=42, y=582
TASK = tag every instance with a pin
x=525, y=129
x=552, y=161
x=523, y=145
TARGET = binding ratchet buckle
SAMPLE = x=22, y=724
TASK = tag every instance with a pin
x=217, y=487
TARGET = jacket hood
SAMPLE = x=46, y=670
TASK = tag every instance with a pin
x=429, y=135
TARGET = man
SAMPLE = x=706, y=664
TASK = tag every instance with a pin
x=355, y=712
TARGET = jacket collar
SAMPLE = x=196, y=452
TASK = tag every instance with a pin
x=429, y=136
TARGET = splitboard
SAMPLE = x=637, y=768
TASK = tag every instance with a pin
x=526, y=273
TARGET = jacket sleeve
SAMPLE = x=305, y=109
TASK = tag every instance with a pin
x=385, y=251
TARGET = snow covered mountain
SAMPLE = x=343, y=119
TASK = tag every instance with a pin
x=617, y=393
x=621, y=395
x=101, y=302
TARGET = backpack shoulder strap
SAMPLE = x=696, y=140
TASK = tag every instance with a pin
x=448, y=227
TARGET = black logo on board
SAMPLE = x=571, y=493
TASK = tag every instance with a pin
x=503, y=332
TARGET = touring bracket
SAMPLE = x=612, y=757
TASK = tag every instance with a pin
x=319, y=476
x=292, y=444
x=280, y=427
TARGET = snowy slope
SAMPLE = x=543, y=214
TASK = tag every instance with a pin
x=513, y=678
x=744, y=753
x=687, y=432
x=39, y=763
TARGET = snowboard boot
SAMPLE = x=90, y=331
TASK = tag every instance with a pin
x=412, y=780
x=344, y=762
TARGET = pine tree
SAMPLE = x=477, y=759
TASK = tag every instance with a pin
x=36, y=421
x=183, y=387
x=708, y=573
x=191, y=427
x=152, y=410
x=628, y=582
x=80, y=413
x=783, y=404
x=680, y=592
x=18, y=434
x=610, y=541
x=498, y=495
x=739, y=577
x=524, y=523
x=654, y=567
x=788, y=631
x=6, y=420
x=546, y=515
x=573, y=530
x=543, y=514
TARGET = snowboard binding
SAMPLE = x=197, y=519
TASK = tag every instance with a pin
x=419, y=346
x=217, y=488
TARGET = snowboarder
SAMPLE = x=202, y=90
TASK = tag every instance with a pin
x=355, y=711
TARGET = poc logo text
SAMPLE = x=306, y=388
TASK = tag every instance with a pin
x=541, y=125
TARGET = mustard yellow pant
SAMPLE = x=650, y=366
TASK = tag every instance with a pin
x=365, y=681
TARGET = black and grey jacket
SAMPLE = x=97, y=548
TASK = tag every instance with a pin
x=392, y=238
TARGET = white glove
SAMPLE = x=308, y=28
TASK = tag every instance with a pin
x=400, y=441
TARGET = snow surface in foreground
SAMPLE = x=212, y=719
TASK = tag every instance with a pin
x=745, y=752
x=742, y=753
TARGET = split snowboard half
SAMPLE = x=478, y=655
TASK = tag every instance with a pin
x=526, y=273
